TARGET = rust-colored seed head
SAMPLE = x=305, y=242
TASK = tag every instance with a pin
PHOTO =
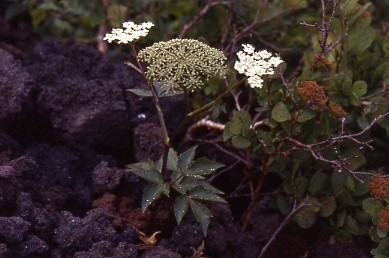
x=312, y=93
x=383, y=221
x=337, y=109
x=320, y=61
x=379, y=187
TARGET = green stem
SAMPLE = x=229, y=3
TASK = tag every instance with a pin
x=166, y=139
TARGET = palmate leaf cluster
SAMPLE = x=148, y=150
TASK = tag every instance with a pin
x=187, y=179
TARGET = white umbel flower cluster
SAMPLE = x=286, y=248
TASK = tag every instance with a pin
x=256, y=64
x=130, y=33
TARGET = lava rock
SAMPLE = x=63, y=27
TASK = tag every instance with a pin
x=81, y=92
x=338, y=250
x=13, y=229
x=42, y=220
x=148, y=142
x=105, y=178
x=16, y=87
x=76, y=234
x=160, y=252
x=33, y=247
x=9, y=189
x=106, y=249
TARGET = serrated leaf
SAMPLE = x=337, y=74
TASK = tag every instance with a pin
x=165, y=188
x=151, y=193
x=328, y=207
x=189, y=183
x=180, y=207
x=172, y=160
x=360, y=88
x=144, y=171
x=185, y=158
x=204, y=194
x=202, y=214
x=318, y=183
x=280, y=112
x=141, y=92
x=306, y=115
x=202, y=166
x=240, y=142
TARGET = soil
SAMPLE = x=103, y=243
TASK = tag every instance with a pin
x=68, y=126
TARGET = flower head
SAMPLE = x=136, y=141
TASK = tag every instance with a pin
x=182, y=63
x=256, y=64
x=312, y=93
x=130, y=33
x=379, y=186
x=383, y=216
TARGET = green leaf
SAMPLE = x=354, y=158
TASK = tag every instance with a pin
x=382, y=251
x=180, y=207
x=185, y=158
x=306, y=115
x=328, y=207
x=302, y=185
x=306, y=216
x=204, y=194
x=172, y=160
x=280, y=112
x=202, y=214
x=341, y=218
x=359, y=40
x=283, y=205
x=318, y=183
x=352, y=225
x=381, y=232
x=146, y=171
x=372, y=207
x=141, y=92
x=360, y=88
x=240, y=142
x=202, y=167
x=189, y=183
x=150, y=194
x=355, y=159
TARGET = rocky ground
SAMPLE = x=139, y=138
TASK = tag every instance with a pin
x=67, y=128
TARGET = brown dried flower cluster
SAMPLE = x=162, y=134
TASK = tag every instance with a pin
x=312, y=93
x=383, y=221
x=337, y=109
x=320, y=61
x=379, y=187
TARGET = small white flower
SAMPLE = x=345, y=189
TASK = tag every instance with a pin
x=256, y=64
x=130, y=33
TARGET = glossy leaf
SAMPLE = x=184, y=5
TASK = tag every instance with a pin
x=372, y=207
x=328, y=207
x=151, y=193
x=141, y=92
x=185, y=158
x=318, y=183
x=147, y=172
x=205, y=194
x=203, y=167
x=240, y=142
x=181, y=207
x=172, y=160
x=202, y=214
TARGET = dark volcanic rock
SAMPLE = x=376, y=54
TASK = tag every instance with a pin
x=106, y=179
x=76, y=234
x=13, y=229
x=106, y=249
x=34, y=247
x=9, y=189
x=337, y=250
x=16, y=87
x=82, y=94
x=160, y=252
x=148, y=142
x=58, y=178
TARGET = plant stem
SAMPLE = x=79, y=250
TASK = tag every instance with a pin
x=157, y=104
